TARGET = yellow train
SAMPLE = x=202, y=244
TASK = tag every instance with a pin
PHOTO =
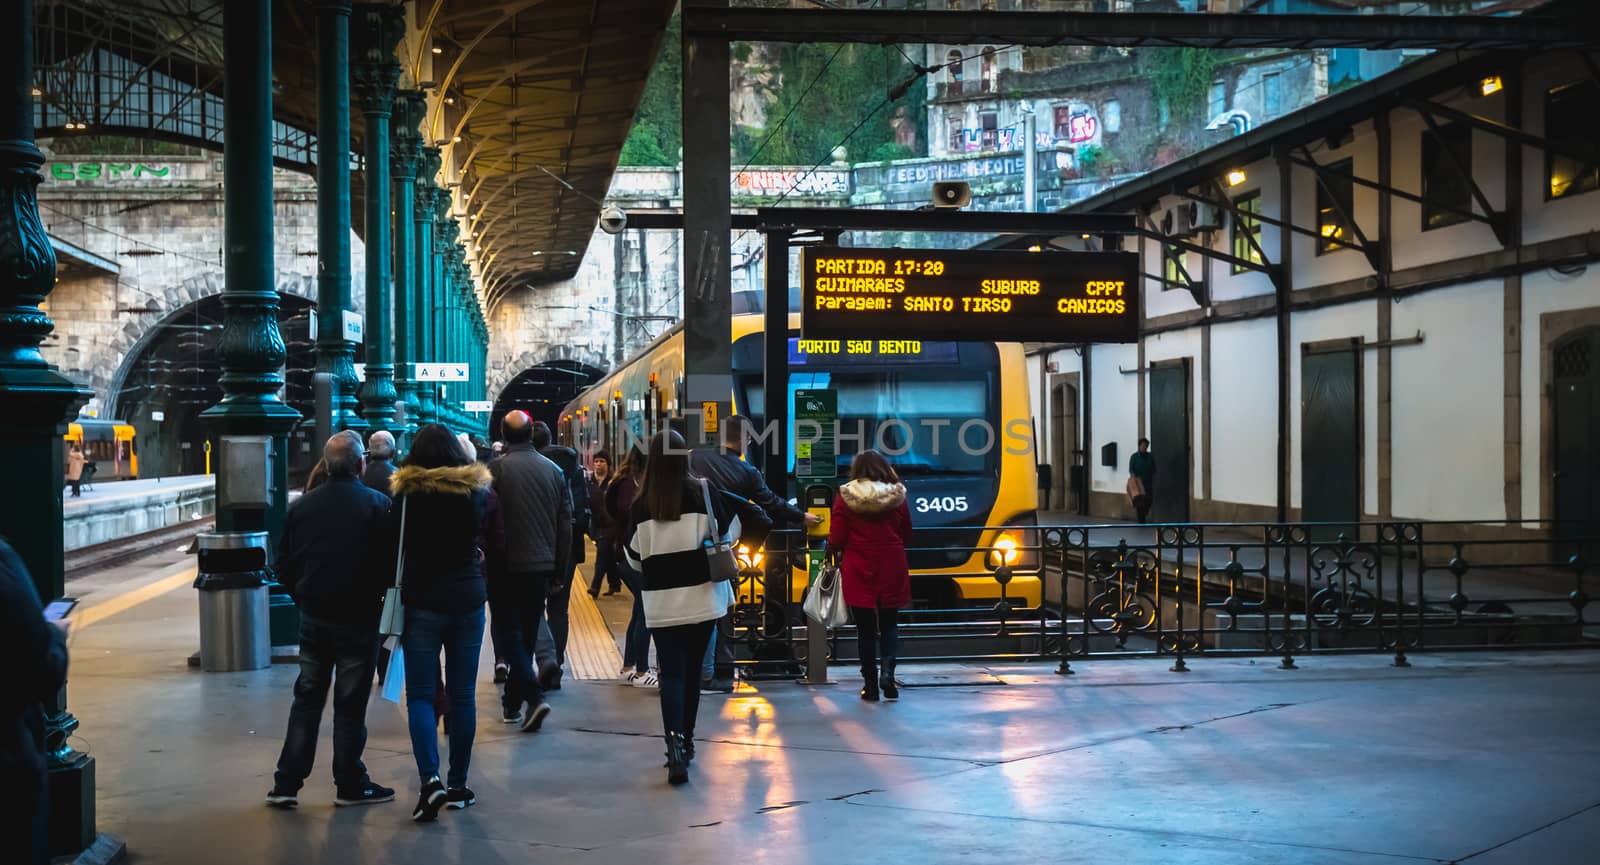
x=109, y=444
x=971, y=487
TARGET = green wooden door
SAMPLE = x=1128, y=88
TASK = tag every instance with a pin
x=1330, y=451
x=1577, y=444
x=1169, y=441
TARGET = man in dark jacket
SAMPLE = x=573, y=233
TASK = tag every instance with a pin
x=36, y=655
x=566, y=459
x=380, y=461
x=726, y=469
x=326, y=560
x=602, y=529
x=538, y=519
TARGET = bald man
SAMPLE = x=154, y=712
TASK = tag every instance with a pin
x=326, y=560
x=538, y=518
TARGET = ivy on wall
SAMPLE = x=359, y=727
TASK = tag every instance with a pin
x=1182, y=79
x=819, y=116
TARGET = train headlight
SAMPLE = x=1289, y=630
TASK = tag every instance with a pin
x=1005, y=551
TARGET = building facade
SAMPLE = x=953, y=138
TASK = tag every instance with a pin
x=1364, y=313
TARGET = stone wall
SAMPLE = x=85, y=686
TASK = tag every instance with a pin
x=159, y=219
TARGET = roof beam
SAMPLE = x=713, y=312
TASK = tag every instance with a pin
x=1173, y=29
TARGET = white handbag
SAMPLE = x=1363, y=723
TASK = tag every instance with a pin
x=824, y=601
x=393, y=620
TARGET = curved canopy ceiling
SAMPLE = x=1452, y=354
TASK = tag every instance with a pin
x=530, y=101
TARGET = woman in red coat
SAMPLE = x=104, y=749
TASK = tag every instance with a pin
x=872, y=525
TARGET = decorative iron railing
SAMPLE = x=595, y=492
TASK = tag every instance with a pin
x=1194, y=589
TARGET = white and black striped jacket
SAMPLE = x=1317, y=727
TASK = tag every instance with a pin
x=671, y=554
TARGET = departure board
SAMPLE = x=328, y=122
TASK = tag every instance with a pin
x=972, y=295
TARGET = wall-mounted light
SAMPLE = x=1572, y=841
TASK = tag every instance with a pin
x=437, y=50
x=456, y=139
x=1491, y=85
x=1036, y=248
x=1236, y=176
x=37, y=92
x=449, y=100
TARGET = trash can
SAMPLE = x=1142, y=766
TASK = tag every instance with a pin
x=234, y=633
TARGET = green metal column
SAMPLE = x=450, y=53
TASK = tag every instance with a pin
x=335, y=355
x=403, y=157
x=36, y=403
x=373, y=75
x=442, y=238
x=422, y=298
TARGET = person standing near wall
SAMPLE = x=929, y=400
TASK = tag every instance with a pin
x=75, y=462
x=1142, y=480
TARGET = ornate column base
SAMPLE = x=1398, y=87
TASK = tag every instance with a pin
x=378, y=395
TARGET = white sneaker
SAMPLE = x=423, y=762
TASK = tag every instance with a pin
x=646, y=680
x=627, y=676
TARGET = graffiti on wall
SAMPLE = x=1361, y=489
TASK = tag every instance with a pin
x=109, y=171
x=781, y=181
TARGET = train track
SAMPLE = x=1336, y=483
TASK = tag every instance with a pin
x=115, y=552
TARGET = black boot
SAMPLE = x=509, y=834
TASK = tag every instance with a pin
x=688, y=747
x=869, y=684
x=677, y=763
x=891, y=691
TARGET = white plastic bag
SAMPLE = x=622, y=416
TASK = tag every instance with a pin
x=824, y=601
x=394, y=676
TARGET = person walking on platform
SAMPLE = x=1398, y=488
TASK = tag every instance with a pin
x=727, y=469
x=601, y=529
x=75, y=460
x=618, y=502
x=556, y=606
x=1142, y=480
x=676, y=518
x=538, y=517
x=327, y=559
x=36, y=651
x=871, y=528
x=380, y=461
x=444, y=502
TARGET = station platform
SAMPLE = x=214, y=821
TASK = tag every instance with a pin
x=1488, y=758
x=112, y=511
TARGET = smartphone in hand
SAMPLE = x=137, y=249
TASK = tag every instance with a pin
x=59, y=609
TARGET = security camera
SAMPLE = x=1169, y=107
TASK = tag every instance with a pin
x=613, y=219
x=951, y=195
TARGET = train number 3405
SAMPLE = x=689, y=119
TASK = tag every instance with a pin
x=941, y=504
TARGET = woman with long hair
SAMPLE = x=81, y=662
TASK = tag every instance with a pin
x=617, y=503
x=676, y=521
x=872, y=526
x=443, y=500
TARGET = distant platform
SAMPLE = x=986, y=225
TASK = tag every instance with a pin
x=113, y=510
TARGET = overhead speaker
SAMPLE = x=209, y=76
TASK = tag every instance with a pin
x=951, y=195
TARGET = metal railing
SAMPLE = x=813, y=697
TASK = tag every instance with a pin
x=1181, y=590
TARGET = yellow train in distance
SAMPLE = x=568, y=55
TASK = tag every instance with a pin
x=111, y=445
x=971, y=486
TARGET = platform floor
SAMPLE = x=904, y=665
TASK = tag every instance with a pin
x=1482, y=758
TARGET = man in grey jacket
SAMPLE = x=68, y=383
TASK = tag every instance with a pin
x=538, y=518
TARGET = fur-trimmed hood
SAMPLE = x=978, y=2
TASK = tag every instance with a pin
x=872, y=497
x=445, y=480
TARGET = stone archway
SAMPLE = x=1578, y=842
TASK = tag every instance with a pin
x=502, y=372
x=542, y=388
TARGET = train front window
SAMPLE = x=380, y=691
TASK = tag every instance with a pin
x=913, y=417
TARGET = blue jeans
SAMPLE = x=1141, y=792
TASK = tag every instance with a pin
x=461, y=637
x=516, y=629
x=327, y=648
x=636, y=643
